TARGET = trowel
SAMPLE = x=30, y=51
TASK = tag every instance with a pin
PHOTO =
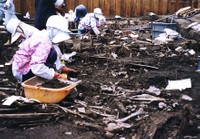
x=69, y=81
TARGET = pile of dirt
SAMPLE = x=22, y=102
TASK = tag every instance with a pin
x=55, y=83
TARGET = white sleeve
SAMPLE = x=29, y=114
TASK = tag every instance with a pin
x=58, y=3
x=94, y=25
x=43, y=71
x=59, y=65
x=96, y=31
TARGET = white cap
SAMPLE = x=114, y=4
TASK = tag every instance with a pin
x=71, y=11
x=11, y=27
x=60, y=37
x=98, y=12
x=59, y=22
x=28, y=30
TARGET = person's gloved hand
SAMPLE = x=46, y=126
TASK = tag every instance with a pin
x=102, y=35
x=60, y=76
x=69, y=71
x=57, y=75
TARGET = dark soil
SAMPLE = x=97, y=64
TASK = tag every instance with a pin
x=55, y=83
x=109, y=87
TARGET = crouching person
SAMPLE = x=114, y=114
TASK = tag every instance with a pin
x=91, y=22
x=7, y=10
x=19, y=30
x=80, y=12
x=36, y=55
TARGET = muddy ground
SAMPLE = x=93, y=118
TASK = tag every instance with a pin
x=115, y=72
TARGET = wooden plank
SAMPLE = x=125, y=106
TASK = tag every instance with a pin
x=30, y=7
x=132, y=9
x=89, y=6
x=76, y=3
x=22, y=6
x=151, y=6
x=160, y=7
x=124, y=8
x=117, y=7
x=27, y=115
x=164, y=6
x=70, y=5
x=198, y=4
x=156, y=6
x=168, y=7
x=95, y=3
x=17, y=6
x=141, y=7
x=105, y=6
x=177, y=5
x=195, y=3
x=137, y=8
x=184, y=3
x=84, y=2
x=146, y=4
x=172, y=6
x=128, y=7
x=111, y=8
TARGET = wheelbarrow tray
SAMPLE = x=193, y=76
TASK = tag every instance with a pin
x=33, y=90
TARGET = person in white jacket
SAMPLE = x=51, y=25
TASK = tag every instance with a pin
x=19, y=30
x=14, y=26
x=37, y=55
x=91, y=22
x=7, y=10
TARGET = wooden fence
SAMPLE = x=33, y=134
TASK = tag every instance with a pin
x=124, y=8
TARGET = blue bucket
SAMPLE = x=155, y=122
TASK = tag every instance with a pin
x=158, y=28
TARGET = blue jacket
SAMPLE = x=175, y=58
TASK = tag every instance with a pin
x=80, y=12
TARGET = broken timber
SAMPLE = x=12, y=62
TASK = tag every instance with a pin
x=27, y=115
x=125, y=61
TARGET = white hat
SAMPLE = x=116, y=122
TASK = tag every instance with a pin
x=15, y=37
x=11, y=27
x=98, y=12
x=58, y=22
x=61, y=37
x=28, y=30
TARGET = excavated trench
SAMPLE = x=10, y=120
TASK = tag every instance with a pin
x=116, y=81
